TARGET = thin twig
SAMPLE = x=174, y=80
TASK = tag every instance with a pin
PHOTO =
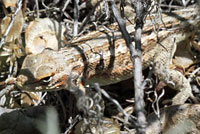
x=156, y=102
x=76, y=14
x=87, y=18
x=40, y=98
x=6, y=89
x=44, y=6
x=37, y=8
x=172, y=6
x=128, y=118
x=19, y=5
x=193, y=74
x=62, y=105
x=75, y=120
x=65, y=6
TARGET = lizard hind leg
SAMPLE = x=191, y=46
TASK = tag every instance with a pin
x=182, y=84
x=173, y=78
x=177, y=81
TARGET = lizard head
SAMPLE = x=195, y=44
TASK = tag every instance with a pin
x=192, y=30
x=196, y=41
x=43, y=72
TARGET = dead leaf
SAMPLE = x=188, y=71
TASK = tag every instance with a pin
x=9, y=3
x=183, y=58
x=16, y=29
x=43, y=33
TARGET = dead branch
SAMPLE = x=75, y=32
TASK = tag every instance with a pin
x=136, y=59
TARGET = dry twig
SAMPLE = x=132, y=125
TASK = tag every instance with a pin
x=135, y=57
x=141, y=8
x=76, y=14
x=19, y=5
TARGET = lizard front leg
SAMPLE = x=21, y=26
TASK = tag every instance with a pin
x=174, y=79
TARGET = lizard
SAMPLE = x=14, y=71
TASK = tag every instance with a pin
x=102, y=56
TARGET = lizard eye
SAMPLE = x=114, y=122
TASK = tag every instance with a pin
x=47, y=79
